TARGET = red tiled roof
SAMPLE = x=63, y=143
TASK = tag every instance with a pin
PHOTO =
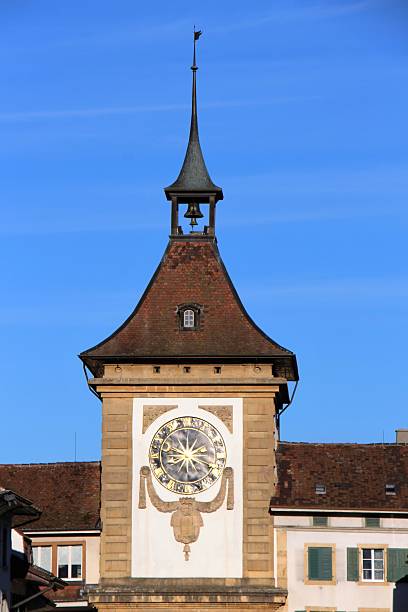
x=67, y=493
x=354, y=475
x=191, y=271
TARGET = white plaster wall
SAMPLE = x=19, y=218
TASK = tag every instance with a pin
x=293, y=521
x=344, y=595
x=93, y=546
x=395, y=523
x=17, y=541
x=347, y=521
x=218, y=550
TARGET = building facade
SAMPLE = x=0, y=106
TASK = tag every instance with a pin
x=65, y=537
x=190, y=388
x=340, y=517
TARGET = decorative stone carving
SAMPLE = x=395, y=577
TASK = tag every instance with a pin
x=151, y=413
x=224, y=413
x=186, y=519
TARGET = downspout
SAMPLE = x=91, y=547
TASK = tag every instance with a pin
x=89, y=386
x=280, y=412
x=18, y=605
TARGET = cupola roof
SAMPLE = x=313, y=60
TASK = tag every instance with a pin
x=194, y=179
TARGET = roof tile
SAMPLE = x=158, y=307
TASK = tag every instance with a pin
x=67, y=493
x=191, y=271
x=355, y=476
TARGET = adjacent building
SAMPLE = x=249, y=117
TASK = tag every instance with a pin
x=340, y=520
x=65, y=537
x=23, y=585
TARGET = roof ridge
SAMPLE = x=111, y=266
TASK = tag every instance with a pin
x=342, y=443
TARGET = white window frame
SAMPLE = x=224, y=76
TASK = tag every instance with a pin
x=70, y=546
x=372, y=564
x=189, y=318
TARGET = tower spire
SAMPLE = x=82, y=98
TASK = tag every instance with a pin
x=193, y=183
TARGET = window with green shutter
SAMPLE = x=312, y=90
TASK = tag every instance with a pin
x=320, y=521
x=397, y=563
x=320, y=565
x=352, y=564
x=372, y=521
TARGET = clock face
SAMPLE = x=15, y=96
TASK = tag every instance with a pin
x=187, y=455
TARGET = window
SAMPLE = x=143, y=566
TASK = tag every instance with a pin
x=70, y=562
x=390, y=489
x=372, y=521
x=319, y=609
x=320, y=521
x=188, y=318
x=42, y=557
x=320, y=564
x=372, y=564
x=320, y=489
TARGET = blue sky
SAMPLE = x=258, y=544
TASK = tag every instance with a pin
x=303, y=122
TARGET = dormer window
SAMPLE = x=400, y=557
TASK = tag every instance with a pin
x=189, y=316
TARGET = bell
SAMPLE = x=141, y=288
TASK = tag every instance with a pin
x=193, y=211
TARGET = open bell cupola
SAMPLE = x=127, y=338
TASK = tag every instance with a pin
x=193, y=185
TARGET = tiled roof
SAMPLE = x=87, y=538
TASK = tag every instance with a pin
x=191, y=272
x=67, y=493
x=354, y=475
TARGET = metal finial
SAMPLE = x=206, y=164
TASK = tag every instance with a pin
x=197, y=34
x=194, y=177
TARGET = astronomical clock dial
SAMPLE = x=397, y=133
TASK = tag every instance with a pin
x=187, y=455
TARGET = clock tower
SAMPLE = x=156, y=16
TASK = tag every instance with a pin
x=191, y=390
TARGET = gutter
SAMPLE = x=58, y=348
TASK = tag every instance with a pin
x=277, y=511
x=56, y=585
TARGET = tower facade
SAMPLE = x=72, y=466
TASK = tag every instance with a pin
x=190, y=391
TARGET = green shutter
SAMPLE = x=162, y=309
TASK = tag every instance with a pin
x=372, y=521
x=320, y=563
x=352, y=564
x=320, y=521
x=397, y=564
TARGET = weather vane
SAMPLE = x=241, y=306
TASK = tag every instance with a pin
x=197, y=34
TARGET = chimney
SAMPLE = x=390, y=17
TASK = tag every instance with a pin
x=401, y=436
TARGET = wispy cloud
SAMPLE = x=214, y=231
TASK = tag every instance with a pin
x=377, y=192
x=372, y=179
x=117, y=33
x=72, y=309
x=304, y=216
x=84, y=113
x=347, y=288
x=311, y=12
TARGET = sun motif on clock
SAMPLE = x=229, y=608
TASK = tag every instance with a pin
x=187, y=455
